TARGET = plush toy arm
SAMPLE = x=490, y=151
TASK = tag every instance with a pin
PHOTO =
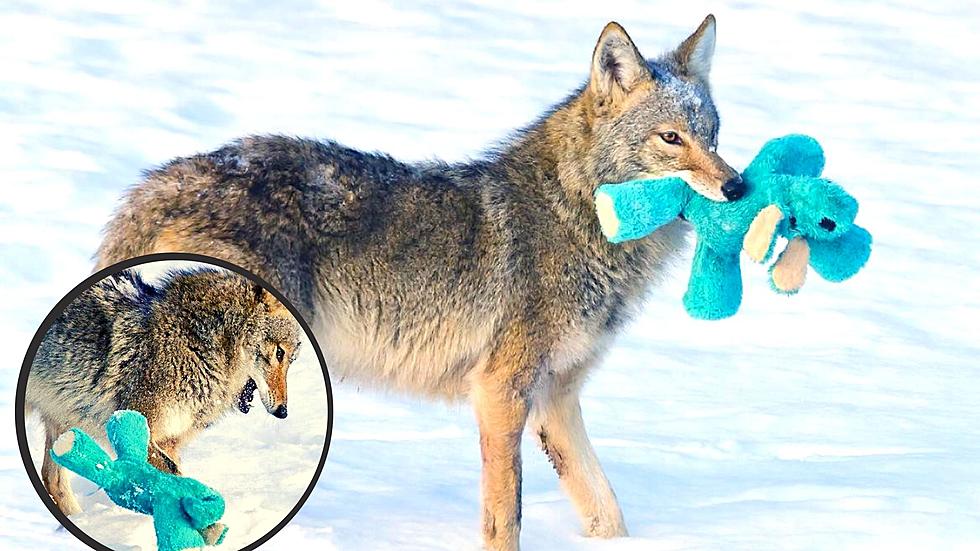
x=77, y=452
x=759, y=241
x=129, y=434
x=634, y=209
x=715, y=288
x=841, y=258
x=795, y=154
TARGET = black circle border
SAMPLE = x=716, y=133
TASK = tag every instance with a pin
x=20, y=395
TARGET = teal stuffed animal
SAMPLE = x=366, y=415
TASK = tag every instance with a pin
x=185, y=512
x=785, y=197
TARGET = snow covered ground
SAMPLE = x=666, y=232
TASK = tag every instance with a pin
x=847, y=417
x=261, y=465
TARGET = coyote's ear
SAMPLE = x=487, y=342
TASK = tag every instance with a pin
x=261, y=295
x=695, y=53
x=617, y=66
x=266, y=298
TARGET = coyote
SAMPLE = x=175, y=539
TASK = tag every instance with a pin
x=489, y=279
x=182, y=353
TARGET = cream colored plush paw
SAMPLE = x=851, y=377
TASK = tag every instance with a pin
x=64, y=443
x=606, y=211
x=213, y=533
x=789, y=272
x=761, y=231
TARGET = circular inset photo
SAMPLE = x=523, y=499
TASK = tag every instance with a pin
x=174, y=401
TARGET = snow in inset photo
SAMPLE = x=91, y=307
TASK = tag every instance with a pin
x=174, y=404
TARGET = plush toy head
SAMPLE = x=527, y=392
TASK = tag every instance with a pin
x=185, y=512
x=785, y=197
x=821, y=210
x=815, y=216
x=790, y=166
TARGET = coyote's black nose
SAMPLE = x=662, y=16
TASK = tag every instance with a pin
x=733, y=189
x=280, y=412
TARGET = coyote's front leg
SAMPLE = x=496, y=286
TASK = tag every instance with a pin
x=501, y=399
x=55, y=477
x=557, y=423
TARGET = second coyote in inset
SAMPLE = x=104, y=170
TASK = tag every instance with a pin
x=488, y=279
x=182, y=353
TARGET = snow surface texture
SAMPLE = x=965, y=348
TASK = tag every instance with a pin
x=261, y=465
x=846, y=417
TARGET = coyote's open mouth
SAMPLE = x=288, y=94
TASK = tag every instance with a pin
x=245, y=398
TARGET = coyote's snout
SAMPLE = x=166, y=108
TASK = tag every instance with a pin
x=275, y=351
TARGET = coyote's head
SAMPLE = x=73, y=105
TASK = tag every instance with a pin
x=655, y=118
x=276, y=349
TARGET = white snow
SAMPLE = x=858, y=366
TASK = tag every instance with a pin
x=846, y=417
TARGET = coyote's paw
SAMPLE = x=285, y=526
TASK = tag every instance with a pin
x=598, y=527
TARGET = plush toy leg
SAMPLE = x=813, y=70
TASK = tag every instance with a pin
x=715, y=288
x=761, y=237
x=788, y=274
x=204, y=508
x=841, y=258
x=173, y=531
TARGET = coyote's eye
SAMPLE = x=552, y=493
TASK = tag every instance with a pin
x=670, y=137
x=280, y=353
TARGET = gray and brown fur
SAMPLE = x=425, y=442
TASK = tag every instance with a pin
x=180, y=352
x=487, y=279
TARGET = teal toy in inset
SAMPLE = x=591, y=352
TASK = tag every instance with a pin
x=785, y=197
x=185, y=512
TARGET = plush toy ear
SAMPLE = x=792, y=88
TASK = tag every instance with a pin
x=761, y=237
x=794, y=155
x=841, y=258
x=788, y=274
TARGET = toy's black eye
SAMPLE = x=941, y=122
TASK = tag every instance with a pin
x=671, y=137
x=280, y=353
x=828, y=224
